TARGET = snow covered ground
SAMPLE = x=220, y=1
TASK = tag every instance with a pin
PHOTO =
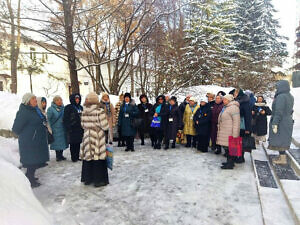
x=153, y=187
x=18, y=205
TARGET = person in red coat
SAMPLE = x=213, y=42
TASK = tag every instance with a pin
x=216, y=110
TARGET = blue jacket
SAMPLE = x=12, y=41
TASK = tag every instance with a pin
x=33, y=144
x=56, y=113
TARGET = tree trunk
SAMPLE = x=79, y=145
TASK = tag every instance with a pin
x=68, y=19
x=30, y=80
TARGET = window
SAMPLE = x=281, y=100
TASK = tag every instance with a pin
x=32, y=53
x=1, y=85
x=44, y=57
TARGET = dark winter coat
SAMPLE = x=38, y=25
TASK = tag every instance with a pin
x=124, y=122
x=260, y=123
x=163, y=113
x=58, y=128
x=144, y=113
x=182, y=106
x=282, y=112
x=202, y=120
x=72, y=120
x=215, y=112
x=174, y=122
x=33, y=144
x=245, y=109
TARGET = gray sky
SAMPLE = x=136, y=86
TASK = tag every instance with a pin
x=288, y=15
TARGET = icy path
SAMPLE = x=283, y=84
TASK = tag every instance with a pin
x=153, y=187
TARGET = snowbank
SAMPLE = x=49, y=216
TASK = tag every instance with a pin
x=18, y=204
x=296, y=93
x=9, y=106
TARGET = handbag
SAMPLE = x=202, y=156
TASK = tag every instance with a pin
x=136, y=122
x=248, y=143
x=155, y=123
x=109, y=156
x=235, y=146
x=50, y=137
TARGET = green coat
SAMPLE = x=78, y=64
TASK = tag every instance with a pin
x=125, y=122
x=58, y=128
x=33, y=144
x=282, y=112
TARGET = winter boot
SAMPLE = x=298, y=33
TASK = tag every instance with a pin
x=101, y=184
x=119, y=143
x=229, y=165
x=167, y=145
x=218, y=150
x=33, y=181
x=142, y=141
x=173, y=144
x=58, y=156
x=239, y=160
x=158, y=146
x=281, y=160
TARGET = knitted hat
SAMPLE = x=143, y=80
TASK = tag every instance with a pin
x=229, y=97
x=92, y=98
x=204, y=99
x=26, y=98
x=193, y=99
x=127, y=95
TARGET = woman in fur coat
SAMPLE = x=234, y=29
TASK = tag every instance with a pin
x=93, y=149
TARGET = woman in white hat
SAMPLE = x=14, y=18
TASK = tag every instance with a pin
x=188, y=120
x=31, y=130
x=228, y=125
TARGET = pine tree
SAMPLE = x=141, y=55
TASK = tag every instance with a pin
x=256, y=35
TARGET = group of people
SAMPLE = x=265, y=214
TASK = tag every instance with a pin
x=87, y=130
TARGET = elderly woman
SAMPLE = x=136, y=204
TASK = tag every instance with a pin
x=128, y=112
x=215, y=112
x=110, y=114
x=121, y=140
x=281, y=123
x=55, y=115
x=188, y=120
x=228, y=125
x=93, y=150
x=32, y=133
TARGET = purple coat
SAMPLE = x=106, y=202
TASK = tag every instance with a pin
x=215, y=112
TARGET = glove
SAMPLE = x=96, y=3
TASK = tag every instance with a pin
x=275, y=129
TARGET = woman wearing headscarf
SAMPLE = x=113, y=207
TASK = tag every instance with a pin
x=121, y=140
x=31, y=129
x=245, y=116
x=144, y=111
x=93, y=150
x=110, y=114
x=72, y=122
x=55, y=114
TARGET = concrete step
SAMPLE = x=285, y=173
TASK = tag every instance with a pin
x=274, y=206
x=288, y=179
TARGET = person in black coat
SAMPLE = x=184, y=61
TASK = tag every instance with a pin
x=72, y=123
x=159, y=112
x=31, y=127
x=174, y=122
x=246, y=116
x=260, y=111
x=144, y=109
x=184, y=103
x=202, y=120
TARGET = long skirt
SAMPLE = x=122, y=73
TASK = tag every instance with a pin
x=94, y=171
